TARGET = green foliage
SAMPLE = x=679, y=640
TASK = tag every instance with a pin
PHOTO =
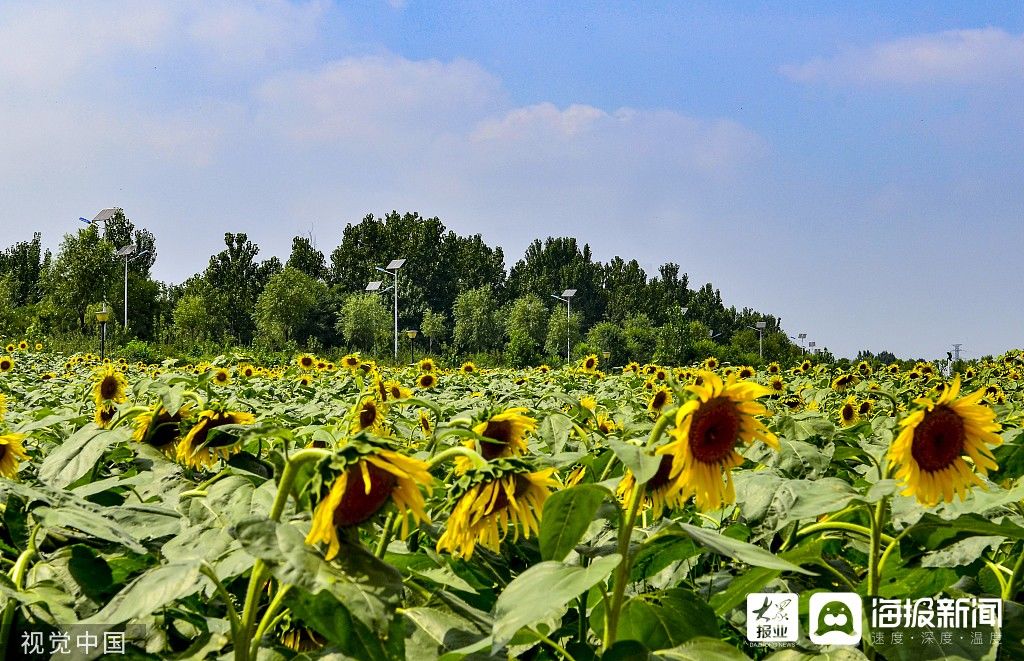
x=558, y=326
x=434, y=327
x=476, y=321
x=364, y=322
x=526, y=328
x=82, y=274
x=285, y=308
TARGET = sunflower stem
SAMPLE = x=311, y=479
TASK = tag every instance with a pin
x=458, y=450
x=268, y=619
x=208, y=570
x=1013, y=585
x=625, y=534
x=18, y=578
x=842, y=525
x=385, y=535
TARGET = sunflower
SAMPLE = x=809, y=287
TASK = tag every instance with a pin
x=304, y=379
x=605, y=424
x=661, y=493
x=590, y=363
x=544, y=369
x=501, y=435
x=865, y=407
x=221, y=376
x=426, y=380
x=351, y=361
x=12, y=451
x=631, y=367
x=427, y=365
x=711, y=363
x=104, y=414
x=849, y=413
x=369, y=415
x=23, y=346
x=805, y=366
x=198, y=451
x=588, y=403
x=893, y=368
x=353, y=485
x=48, y=376
x=248, y=371
x=844, y=381
x=3, y=406
x=305, y=361
x=773, y=368
x=468, y=367
x=158, y=428
x=396, y=391
x=661, y=375
x=425, y=424
x=489, y=500
x=777, y=385
x=110, y=387
x=10, y=347
x=302, y=639
x=937, y=438
x=707, y=430
x=747, y=372
x=864, y=368
x=39, y=346
x=6, y=363
x=662, y=396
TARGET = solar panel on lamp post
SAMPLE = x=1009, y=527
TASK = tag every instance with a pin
x=566, y=298
x=759, y=327
x=392, y=270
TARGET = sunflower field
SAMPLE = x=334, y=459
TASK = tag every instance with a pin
x=350, y=510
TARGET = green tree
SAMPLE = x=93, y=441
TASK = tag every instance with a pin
x=641, y=338
x=306, y=258
x=364, y=322
x=285, y=308
x=476, y=321
x=81, y=274
x=557, y=264
x=525, y=327
x=25, y=264
x=625, y=288
x=434, y=326
x=608, y=336
x=235, y=274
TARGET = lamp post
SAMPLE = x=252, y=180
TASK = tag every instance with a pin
x=811, y=345
x=102, y=316
x=759, y=327
x=392, y=270
x=129, y=254
x=566, y=298
x=411, y=334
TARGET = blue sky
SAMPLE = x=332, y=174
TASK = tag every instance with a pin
x=853, y=167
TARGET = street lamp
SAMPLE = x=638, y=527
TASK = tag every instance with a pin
x=127, y=252
x=811, y=345
x=566, y=298
x=411, y=334
x=101, y=317
x=392, y=270
x=759, y=327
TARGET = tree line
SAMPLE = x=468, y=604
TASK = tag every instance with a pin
x=453, y=289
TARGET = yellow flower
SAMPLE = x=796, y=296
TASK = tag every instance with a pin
x=711, y=363
x=305, y=361
x=396, y=391
x=105, y=412
x=588, y=403
x=247, y=370
x=937, y=438
x=544, y=369
x=504, y=435
x=11, y=452
x=426, y=380
x=3, y=406
x=110, y=387
x=197, y=452
x=221, y=376
x=368, y=415
x=158, y=428
x=777, y=385
x=6, y=363
x=662, y=397
x=39, y=346
x=605, y=424
x=468, y=367
x=494, y=502
x=589, y=364
x=844, y=381
x=704, y=441
x=23, y=346
x=363, y=489
x=351, y=361
x=747, y=372
x=427, y=365
x=660, y=494
x=849, y=412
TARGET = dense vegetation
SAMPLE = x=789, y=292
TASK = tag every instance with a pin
x=465, y=304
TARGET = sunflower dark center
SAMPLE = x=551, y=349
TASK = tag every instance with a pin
x=500, y=434
x=659, y=399
x=501, y=498
x=938, y=439
x=660, y=478
x=356, y=505
x=714, y=430
x=367, y=415
x=108, y=387
x=164, y=429
x=848, y=412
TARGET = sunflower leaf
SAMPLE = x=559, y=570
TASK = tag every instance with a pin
x=78, y=454
x=742, y=551
x=567, y=515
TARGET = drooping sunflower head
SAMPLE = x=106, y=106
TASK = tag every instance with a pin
x=200, y=448
x=661, y=493
x=105, y=412
x=708, y=429
x=159, y=428
x=844, y=381
x=943, y=445
x=490, y=500
x=864, y=368
x=468, y=367
x=426, y=380
x=368, y=414
x=427, y=365
x=6, y=363
x=660, y=399
x=12, y=452
x=502, y=434
x=849, y=412
x=865, y=407
x=424, y=421
x=110, y=386
x=357, y=482
x=306, y=361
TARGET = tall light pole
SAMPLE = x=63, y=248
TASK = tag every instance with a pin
x=392, y=270
x=566, y=298
x=127, y=252
x=759, y=327
x=811, y=345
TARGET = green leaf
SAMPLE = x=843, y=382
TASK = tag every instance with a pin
x=642, y=464
x=150, y=592
x=78, y=454
x=91, y=523
x=542, y=591
x=567, y=515
x=554, y=430
x=754, y=579
x=664, y=619
x=934, y=532
x=447, y=631
x=702, y=649
x=742, y=551
x=961, y=553
x=838, y=654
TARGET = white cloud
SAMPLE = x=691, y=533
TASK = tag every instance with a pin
x=957, y=57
